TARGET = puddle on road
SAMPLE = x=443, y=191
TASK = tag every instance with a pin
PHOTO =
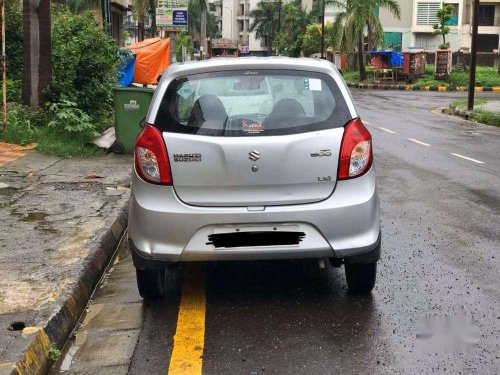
x=35, y=216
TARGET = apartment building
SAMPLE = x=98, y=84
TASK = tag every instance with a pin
x=414, y=29
x=233, y=22
x=117, y=13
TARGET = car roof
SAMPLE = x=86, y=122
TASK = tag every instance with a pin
x=274, y=62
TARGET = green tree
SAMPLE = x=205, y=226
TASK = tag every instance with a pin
x=444, y=14
x=140, y=10
x=350, y=23
x=13, y=39
x=183, y=40
x=198, y=16
x=289, y=41
x=77, y=6
x=265, y=21
x=84, y=61
x=312, y=38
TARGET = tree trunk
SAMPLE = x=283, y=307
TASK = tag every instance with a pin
x=269, y=47
x=152, y=11
x=140, y=30
x=361, y=59
x=203, y=31
x=37, y=67
x=370, y=37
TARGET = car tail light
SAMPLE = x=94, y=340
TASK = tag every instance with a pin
x=356, y=151
x=151, y=159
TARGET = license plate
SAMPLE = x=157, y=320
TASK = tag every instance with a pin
x=257, y=228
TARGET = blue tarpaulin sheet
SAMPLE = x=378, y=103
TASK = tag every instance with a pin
x=126, y=74
x=395, y=58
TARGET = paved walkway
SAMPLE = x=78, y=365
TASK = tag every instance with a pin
x=60, y=219
x=10, y=152
x=490, y=106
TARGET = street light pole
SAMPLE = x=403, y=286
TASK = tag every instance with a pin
x=323, y=29
x=473, y=52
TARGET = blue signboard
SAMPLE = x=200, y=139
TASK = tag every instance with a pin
x=180, y=18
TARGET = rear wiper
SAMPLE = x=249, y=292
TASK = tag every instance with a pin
x=224, y=126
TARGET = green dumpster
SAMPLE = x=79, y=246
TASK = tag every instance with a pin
x=131, y=105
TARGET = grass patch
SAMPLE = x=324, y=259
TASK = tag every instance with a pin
x=463, y=103
x=478, y=115
x=486, y=117
x=350, y=76
x=25, y=126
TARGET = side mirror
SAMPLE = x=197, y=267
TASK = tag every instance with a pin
x=142, y=122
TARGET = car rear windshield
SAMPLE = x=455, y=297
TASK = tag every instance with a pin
x=252, y=103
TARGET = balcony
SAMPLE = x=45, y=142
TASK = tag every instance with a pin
x=489, y=21
x=487, y=25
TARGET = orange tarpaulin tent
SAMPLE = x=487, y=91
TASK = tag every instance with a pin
x=152, y=57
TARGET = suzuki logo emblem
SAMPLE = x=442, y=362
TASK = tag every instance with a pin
x=254, y=155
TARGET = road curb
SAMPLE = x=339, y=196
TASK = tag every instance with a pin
x=36, y=341
x=375, y=86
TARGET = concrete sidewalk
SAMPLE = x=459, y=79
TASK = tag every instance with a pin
x=61, y=221
x=490, y=106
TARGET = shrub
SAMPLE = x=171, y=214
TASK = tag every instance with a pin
x=13, y=39
x=13, y=90
x=67, y=117
x=25, y=125
x=84, y=61
x=183, y=40
x=20, y=127
x=486, y=117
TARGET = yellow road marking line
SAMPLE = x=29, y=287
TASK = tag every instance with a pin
x=387, y=130
x=419, y=142
x=189, y=339
x=467, y=158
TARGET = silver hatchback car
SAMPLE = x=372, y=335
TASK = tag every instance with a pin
x=253, y=159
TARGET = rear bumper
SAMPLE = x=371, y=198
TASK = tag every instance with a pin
x=163, y=228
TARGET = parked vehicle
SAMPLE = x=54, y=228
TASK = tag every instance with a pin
x=253, y=159
x=224, y=48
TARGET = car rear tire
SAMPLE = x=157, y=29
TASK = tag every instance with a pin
x=361, y=277
x=151, y=283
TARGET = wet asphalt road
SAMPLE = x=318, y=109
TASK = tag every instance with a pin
x=441, y=242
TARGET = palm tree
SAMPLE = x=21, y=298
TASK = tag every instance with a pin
x=350, y=24
x=198, y=10
x=140, y=11
x=265, y=21
x=294, y=27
